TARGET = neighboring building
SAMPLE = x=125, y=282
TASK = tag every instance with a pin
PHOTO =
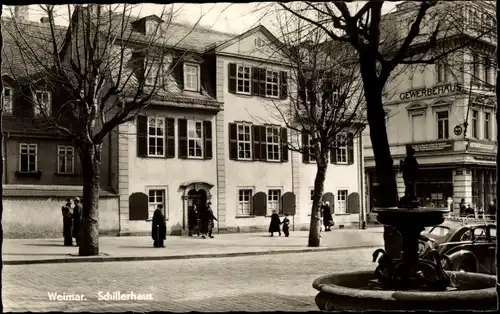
x=427, y=106
x=209, y=135
x=41, y=167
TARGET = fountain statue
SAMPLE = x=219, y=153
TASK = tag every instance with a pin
x=407, y=282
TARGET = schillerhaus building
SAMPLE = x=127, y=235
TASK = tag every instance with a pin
x=427, y=106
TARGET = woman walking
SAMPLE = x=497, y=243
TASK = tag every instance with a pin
x=67, y=212
x=77, y=220
x=274, y=226
x=211, y=219
x=159, y=227
x=327, y=216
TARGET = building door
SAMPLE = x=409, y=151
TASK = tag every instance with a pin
x=198, y=198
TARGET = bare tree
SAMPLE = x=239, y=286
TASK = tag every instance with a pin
x=1, y=167
x=103, y=73
x=384, y=43
x=326, y=111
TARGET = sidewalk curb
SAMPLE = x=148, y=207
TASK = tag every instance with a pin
x=100, y=259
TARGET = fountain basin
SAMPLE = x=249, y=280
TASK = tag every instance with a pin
x=420, y=216
x=351, y=291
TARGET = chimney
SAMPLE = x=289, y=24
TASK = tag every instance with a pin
x=21, y=12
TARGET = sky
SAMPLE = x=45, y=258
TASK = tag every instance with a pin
x=224, y=17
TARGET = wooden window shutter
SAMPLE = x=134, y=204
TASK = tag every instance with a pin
x=259, y=204
x=256, y=142
x=232, y=77
x=284, y=85
x=138, y=206
x=262, y=82
x=207, y=139
x=350, y=148
x=284, y=146
x=233, y=141
x=263, y=145
x=305, y=142
x=170, y=138
x=183, y=140
x=353, y=203
x=255, y=81
x=142, y=136
x=333, y=155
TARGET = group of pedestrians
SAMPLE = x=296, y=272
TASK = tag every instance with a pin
x=72, y=219
x=201, y=221
x=276, y=222
x=478, y=212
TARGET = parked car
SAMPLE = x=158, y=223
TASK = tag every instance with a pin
x=470, y=248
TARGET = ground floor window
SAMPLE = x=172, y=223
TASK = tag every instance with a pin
x=244, y=202
x=341, y=202
x=156, y=197
x=273, y=201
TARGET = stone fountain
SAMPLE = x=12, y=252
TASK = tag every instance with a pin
x=407, y=282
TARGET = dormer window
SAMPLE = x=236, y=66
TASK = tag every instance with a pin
x=151, y=27
x=7, y=96
x=191, y=77
x=43, y=101
x=151, y=74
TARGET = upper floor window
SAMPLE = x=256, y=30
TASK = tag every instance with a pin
x=341, y=148
x=191, y=77
x=487, y=125
x=151, y=75
x=441, y=71
x=474, y=130
x=195, y=139
x=273, y=143
x=156, y=136
x=7, y=100
x=43, y=102
x=244, y=141
x=272, y=83
x=273, y=201
x=28, y=157
x=489, y=74
x=151, y=27
x=476, y=68
x=65, y=159
x=243, y=80
x=442, y=125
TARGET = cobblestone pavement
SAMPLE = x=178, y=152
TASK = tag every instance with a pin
x=250, y=283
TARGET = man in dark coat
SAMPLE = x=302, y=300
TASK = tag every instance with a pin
x=67, y=212
x=327, y=216
x=469, y=211
x=193, y=220
x=492, y=210
x=159, y=227
x=204, y=221
x=211, y=219
x=274, y=226
x=462, y=207
x=77, y=220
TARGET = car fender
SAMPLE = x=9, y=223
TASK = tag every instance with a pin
x=460, y=256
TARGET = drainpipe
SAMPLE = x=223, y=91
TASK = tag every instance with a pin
x=362, y=216
x=6, y=172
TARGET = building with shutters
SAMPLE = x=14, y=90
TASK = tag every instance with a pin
x=431, y=106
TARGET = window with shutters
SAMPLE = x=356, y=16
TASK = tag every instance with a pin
x=273, y=143
x=342, y=201
x=272, y=83
x=191, y=77
x=65, y=159
x=157, y=196
x=243, y=79
x=442, y=124
x=244, y=141
x=341, y=148
x=156, y=136
x=42, y=102
x=195, y=139
x=244, y=202
x=312, y=158
x=28, y=157
x=273, y=201
x=7, y=100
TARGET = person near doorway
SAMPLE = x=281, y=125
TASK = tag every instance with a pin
x=480, y=213
x=492, y=210
x=462, y=208
x=159, y=227
x=327, y=216
x=274, y=226
x=77, y=220
x=67, y=212
x=211, y=219
x=286, y=226
x=193, y=220
x=203, y=225
x=469, y=212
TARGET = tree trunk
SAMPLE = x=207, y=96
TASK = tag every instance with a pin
x=387, y=193
x=319, y=182
x=90, y=155
x=1, y=173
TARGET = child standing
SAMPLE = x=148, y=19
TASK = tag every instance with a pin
x=286, y=226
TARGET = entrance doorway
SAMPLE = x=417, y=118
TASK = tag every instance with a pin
x=198, y=198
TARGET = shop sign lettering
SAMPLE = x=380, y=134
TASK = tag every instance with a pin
x=433, y=91
x=482, y=146
x=485, y=158
x=432, y=146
